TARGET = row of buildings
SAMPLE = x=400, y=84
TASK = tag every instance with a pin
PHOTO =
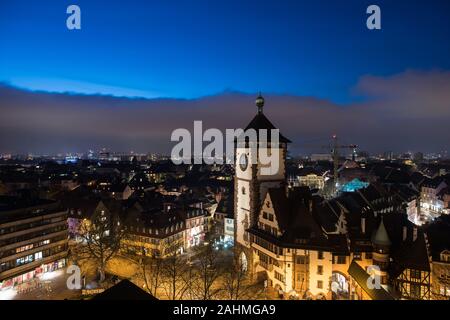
x=163, y=208
x=35, y=234
x=155, y=224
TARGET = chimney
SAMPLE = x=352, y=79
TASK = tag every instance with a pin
x=405, y=233
x=363, y=225
x=415, y=234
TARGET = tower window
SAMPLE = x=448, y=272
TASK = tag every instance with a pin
x=319, y=270
x=243, y=190
x=320, y=284
x=341, y=260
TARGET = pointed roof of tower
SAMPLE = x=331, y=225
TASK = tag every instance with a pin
x=381, y=236
x=260, y=121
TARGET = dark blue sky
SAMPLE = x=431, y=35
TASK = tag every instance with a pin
x=192, y=48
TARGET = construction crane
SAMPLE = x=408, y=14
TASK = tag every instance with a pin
x=335, y=147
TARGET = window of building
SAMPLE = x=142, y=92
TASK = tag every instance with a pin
x=264, y=215
x=320, y=255
x=357, y=256
x=24, y=260
x=319, y=270
x=270, y=217
x=415, y=274
x=341, y=259
x=24, y=248
x=415, y=290
x=274, y=231
x=300, y=259
x=368, y=255
x=279, y=276
x=320, y=284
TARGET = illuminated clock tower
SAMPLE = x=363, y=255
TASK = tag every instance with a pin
x=251, y=182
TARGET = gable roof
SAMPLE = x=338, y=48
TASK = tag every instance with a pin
x=296, y=221
x=328, y=214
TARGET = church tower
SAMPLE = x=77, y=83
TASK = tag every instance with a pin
x=251, y=182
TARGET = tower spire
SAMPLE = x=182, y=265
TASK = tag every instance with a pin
x=260, y=103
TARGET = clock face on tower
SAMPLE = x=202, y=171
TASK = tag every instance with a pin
x=243, y=162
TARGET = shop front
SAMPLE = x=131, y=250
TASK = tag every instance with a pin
x=33, y=274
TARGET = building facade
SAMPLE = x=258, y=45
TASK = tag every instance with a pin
x=441, y=277
x=33, y=241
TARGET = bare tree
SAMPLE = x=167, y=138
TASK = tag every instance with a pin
x=188, y=277
x=101, y=236
x=152, y=273
x=208, y=272
x=235, y=281
x=173, y=270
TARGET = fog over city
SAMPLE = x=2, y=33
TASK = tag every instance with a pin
x=405, y=111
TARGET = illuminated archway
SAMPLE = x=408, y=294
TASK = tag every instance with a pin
x=340, y=286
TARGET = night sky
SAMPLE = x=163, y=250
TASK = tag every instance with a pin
x=321, y=71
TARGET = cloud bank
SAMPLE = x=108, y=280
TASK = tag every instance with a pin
x=406, y=111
